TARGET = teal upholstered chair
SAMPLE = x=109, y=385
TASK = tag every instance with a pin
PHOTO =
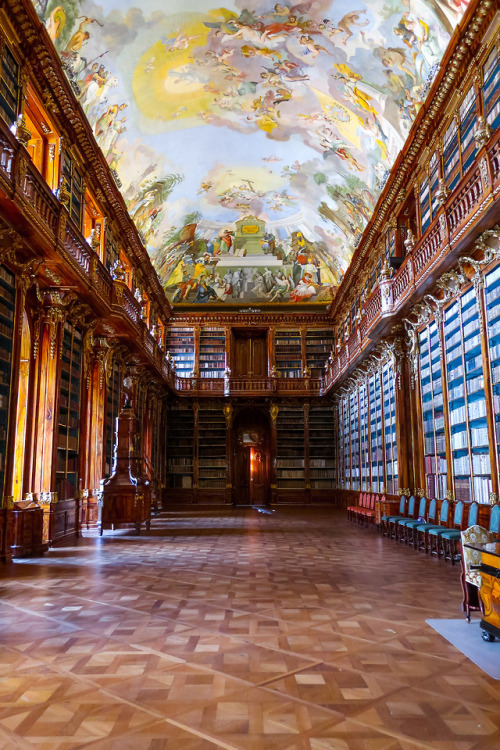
x=450, y=539
x=395, y=529
x=473, y=514
x=385, y=520
x=495, y=519
x=410, y=524
x=420, y=532
x=434, y=533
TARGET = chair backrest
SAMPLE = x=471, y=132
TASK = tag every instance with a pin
x=495, y=519
x=431, y=513
x=372, y=502
x=478, y=535
x=421, y=507
x=411, y=507
x=443, y=515
x=473, y=514
x=361, y=500
x=402, y=504
x=458, y=513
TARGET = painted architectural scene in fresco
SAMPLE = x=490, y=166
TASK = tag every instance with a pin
x=247, y=263
x=289, y=113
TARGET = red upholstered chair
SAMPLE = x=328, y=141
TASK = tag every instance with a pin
x=352, y=509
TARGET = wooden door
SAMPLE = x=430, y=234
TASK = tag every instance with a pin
x=242, y=475
x=249, y=354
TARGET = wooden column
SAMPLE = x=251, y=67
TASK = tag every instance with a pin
x=402, y=410
x=47, y=334
x=271, y=341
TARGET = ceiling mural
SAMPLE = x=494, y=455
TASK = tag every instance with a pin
x=250, y=140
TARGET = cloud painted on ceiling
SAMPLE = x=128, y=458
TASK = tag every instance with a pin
x=290, y=114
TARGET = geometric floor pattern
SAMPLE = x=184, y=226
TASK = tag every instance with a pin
x=238, y=630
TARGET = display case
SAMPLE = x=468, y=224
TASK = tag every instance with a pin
x=435, y=461
x=180, y=447
x=212, y=356
x=7, y=313
x=288, y=353
x=180, y=344
x=290, y=462
x=467, y=401
x=68, y=432
x=321, y=448
x=212, y=463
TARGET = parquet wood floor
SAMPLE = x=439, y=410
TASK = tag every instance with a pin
x=237, y=630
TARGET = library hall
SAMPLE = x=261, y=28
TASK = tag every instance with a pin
x=249, y=375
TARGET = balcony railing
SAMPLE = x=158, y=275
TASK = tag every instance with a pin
x=255, y=386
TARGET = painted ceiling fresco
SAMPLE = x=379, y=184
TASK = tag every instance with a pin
x=250, y=140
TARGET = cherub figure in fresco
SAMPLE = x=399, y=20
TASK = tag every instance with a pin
x=180, y=42
x=289, y=71
x=335, y=146
x=346, y=22
x=311, y=47
x=249, y=51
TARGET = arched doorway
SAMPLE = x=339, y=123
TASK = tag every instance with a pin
x=251, y=448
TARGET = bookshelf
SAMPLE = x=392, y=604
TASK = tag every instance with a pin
x=491, y=89
x=492, y=295
x=10, y=89
x=435, y=461
x=180, y=344
x=390, y=442
x=7, y=312
x=212, y=356
x=376, y=438
x=467, y=126
x=73, y=184
x=346, y=442
x=321, y=448
x=112, y=409
x=354, y=427
x=290, y=465
x=212, y=463
x=319, y=344
x=467, y=401
x=364, y=434
x=68, y=431
x=288, y=353
x=180, y=444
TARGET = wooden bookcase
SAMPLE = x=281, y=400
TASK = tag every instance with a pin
x=68, y=431
x=376, y=432
x=212, y=463
x=390, y=440
x=7, y=313
x=434, y=439
x=322, y=448
x=492, y=294
x=212, y=354
x=319, y=344
x=290, y=462
x=180, y=447
x=180, y=344
x=288, y=353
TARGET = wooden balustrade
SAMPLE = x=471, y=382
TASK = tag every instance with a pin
x=424, y=252
x=6, y=156
x=77, y=249
x=465, y=202
x=40, y=198
x=103, y=280
x=248, y=386
x=403, y=283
